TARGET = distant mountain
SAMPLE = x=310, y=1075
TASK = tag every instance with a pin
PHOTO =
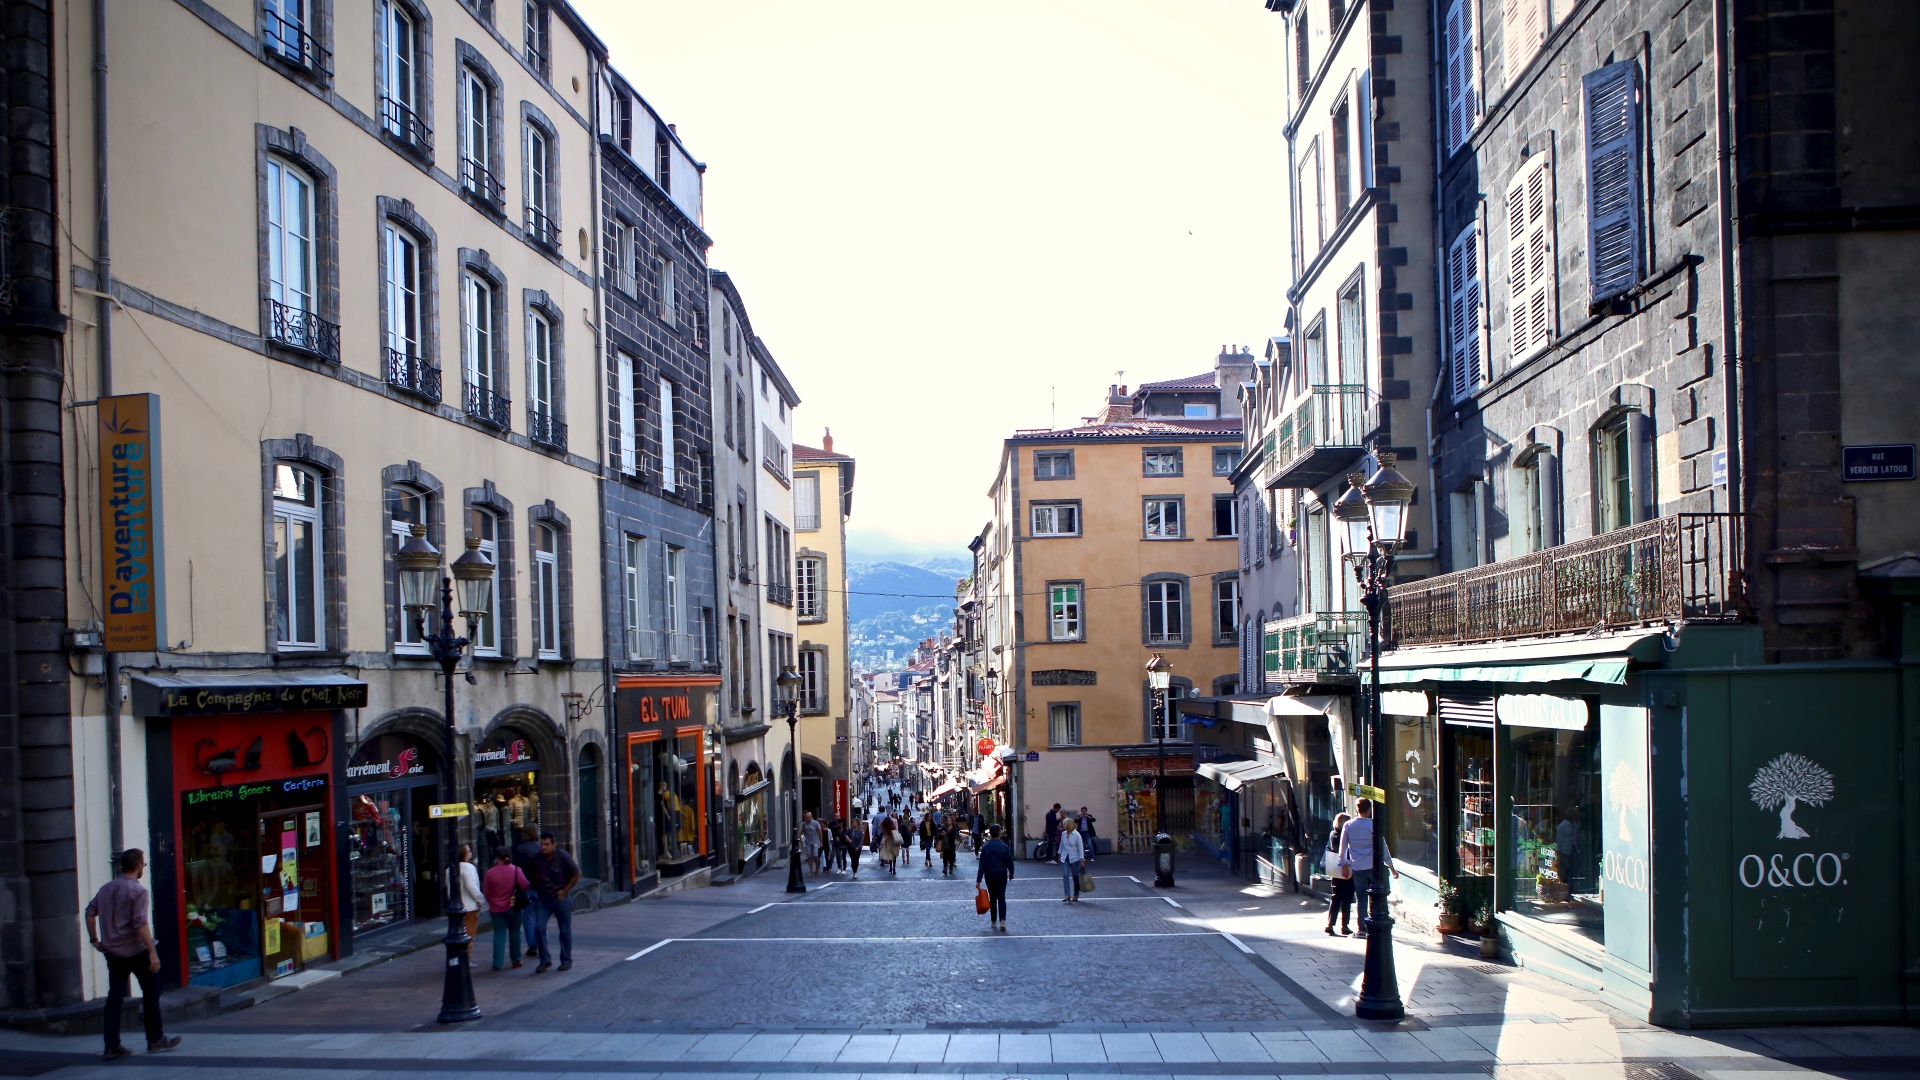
x=894, y=606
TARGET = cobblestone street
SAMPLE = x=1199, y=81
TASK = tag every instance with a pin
x=896, y=975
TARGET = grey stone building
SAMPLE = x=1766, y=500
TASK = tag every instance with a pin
x=658, y=530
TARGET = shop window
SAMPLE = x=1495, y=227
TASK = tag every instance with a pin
x=1413, y=810
x=679, y=800
x=394, y=844
x=1556, y=814
x=506, y=792
x=1468, y=781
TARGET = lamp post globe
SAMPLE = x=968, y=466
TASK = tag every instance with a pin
x=789, y=683
x=1351, y=509
x=1160, y=679
x=1388, y=495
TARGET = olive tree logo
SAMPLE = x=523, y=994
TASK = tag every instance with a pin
x=1786, y=782
x=1628, y=793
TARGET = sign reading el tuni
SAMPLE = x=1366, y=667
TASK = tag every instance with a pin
x=130, y=551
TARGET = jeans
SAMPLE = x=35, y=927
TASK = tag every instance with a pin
x=1362, y=879
x=562, y=912
x=1070, y=879
x=996, y=897
x=118, y=968
x=526, y=921
x=506, y=938
x=853, y=856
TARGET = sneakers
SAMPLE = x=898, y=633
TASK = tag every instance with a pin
x=544, y=966
x=115, y=1052
x=165, y=1044
x=1003, y=928
x=566, y=965
x=522, y=963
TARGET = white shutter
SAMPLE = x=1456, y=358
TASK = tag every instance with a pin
x=625, y=435
x=1462, y=74
x=1463, y=311
x=1363, y=128
x=1613, y=180
x=1547, y=468
x=1523, y=27
x=1532, y=287
x=669, y=473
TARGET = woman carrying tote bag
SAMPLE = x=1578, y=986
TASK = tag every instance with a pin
x=1342, y=901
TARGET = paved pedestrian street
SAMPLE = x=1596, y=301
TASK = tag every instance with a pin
x=889, y=976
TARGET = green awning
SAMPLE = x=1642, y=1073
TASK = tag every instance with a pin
x=1609, y=670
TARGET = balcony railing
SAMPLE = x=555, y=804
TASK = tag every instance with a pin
x=290, y=41
x=489, y=408
x=780, y=594
x=547, y=430
x=303, y=330
x=405, y=125
x=1679, y=568
x=413, y=374
x=1325, y=435
x=479, y=182
x=1324, y=647
x=542, y=229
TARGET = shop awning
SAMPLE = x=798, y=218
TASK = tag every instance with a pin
x=1406, y=703
x=1241, y=709
x=945, y=786
x=989, y=785
x=1232, y=775
x=754, y=789
x=164, y=694
x=1302, y=705
x=1542, y=711
x=1602, y=658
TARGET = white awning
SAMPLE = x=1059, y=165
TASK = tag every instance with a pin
x=1304, y=705
x=1232, y=775
x=1541, y=711
x=1405, y=703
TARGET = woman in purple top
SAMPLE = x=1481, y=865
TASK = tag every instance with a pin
x=500, y=885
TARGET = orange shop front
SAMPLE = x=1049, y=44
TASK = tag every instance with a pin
x=670, y=767
x=248, y=863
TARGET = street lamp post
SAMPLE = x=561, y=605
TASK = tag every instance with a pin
x=1375, y=512
x=419, y=565
x=1160, y=678
x=789, y=682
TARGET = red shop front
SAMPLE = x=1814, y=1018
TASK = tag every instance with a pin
x=245, y=786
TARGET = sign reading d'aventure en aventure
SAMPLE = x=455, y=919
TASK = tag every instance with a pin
x=130, y=552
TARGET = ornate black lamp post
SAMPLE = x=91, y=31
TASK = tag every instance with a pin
x=789, y=683
x=419, y=564
x=1160, y=678
x=1375, y=512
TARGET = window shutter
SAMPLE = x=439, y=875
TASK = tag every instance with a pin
x=1462, y=75
x=1523, y=27
x=1532, y=288
x=1640, y=463
x=1463, y=311
x=1363, y=128
x=624, y=435
x=1548, y=470
x=1613, y=180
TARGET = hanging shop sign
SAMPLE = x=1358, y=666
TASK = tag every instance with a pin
x=984, y=747
x=156, y=695
x=130, y=548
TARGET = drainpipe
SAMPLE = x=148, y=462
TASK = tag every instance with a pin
x=615, y=751
x=1729, y=255
x=103, y=304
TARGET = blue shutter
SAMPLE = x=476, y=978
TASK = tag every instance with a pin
x=1613, y=180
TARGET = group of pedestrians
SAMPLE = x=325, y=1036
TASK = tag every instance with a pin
x=520, y=892
x=1349, y=859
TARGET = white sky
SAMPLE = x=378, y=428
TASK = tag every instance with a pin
x=943, y=217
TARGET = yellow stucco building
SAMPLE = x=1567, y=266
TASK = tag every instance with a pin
x=822, y=502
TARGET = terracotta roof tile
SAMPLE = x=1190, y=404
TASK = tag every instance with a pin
x=810, y=453
x=1142, y=428
x=1202, y=381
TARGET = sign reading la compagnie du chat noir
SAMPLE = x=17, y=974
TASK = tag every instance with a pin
x=130, y=550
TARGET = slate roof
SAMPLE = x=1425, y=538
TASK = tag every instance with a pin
x=1202, y=381
x=1167, y=427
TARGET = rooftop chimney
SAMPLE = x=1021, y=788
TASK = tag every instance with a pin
x=1234, y=367
x=826, y=441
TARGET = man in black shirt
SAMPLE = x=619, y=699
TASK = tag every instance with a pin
x=996, y=869
x=554, y=876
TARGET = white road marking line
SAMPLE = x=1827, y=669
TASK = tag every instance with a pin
x=1133, y=879
x=1169, y=900
x=650, y=948
x=916, y=940
x=760, y=909
x=1010, y=900
x=1237, y=943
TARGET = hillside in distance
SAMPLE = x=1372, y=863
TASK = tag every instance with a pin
x=893, y=606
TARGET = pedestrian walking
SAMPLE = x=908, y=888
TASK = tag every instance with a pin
x=926, y=840
x=1052, y=831
x=949, y=848
x=810, y=842
x=524, y=854
x=1341, y=902
x=1073, y=854
x=890, y=843
x=857, y=838
x=995, y=870
x=505, y=888
x=1356, y=853
x=471, y=897
x=118, y=928
x=1086, y=834
x=555, y=874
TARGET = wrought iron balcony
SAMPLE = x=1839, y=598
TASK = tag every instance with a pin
x=479, y=182
x=303, y=330
x=290, y=41
x=413, y=374
x=1318, y=648
x=1685, y=567
x=1321, y=438
x=405, y=125
x=780, y=594
x=547, y=430
x=489, y=408
x=542, y=229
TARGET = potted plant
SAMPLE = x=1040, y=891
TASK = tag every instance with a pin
x=1489, y=935
x=1452, y=909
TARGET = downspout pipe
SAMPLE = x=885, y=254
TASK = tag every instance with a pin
x=616, y=777
x=1730, y=309
x=103, y=306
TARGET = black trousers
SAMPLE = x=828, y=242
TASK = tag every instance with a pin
x=853, y=856
x=996, y=897
x=118, y=968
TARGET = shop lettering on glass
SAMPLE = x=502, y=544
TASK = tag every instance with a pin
x=405, y=763
x=130, y=522
x=512, y=753
x=1783, y=785
x=671, y=708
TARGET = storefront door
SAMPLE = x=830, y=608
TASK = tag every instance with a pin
x=296, y=877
